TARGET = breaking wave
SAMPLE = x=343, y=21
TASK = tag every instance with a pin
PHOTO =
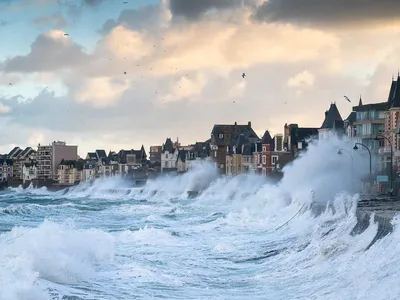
x=240, y=237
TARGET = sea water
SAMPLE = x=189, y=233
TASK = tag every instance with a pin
x=110, y=241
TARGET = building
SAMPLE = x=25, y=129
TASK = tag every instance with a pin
x=169, y=156
x=297, y=138
x=155, y=154
x=20, y=157
x=224, y=137
x=70, y=172
x=369, y=124
x=333, y=124
x=90, y=171
x=6, y=169
x=182, y=161
x=29, y=172
x=50, y=156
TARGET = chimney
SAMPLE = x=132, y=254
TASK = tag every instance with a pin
x=235, y=123
x=249, y=124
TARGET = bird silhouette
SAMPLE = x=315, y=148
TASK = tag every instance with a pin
x=244, y=75
x=66, y=34
x=347, y=98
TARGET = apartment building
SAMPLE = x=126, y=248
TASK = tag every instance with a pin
x=50, y=156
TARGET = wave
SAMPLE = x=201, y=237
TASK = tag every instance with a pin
x=239, y=236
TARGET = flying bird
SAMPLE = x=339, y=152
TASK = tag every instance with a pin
x=125, y=73
x=244, y=75
x=347, y=98
x=125, y=2
x=66, y=34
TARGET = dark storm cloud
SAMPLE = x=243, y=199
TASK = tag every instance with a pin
x=329, y=12
x=193, y=9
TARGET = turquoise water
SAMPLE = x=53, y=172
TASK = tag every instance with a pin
x=109, y=241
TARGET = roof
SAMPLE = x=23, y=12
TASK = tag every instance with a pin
x=168, y=146
x=352, y=117
x=92, y=155
x=331, y=116
x=78, y=164
x=266, y=138
x=7, y=161
x=394, y=94
x=27, y=151
x=182, y=155
x=101, y=154
x=226, y=135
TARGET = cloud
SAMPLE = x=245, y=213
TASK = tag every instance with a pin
x=102, y=91
x=149, y=17
x=337, y=13
x=194, y=9
x=185, y=89
x=4, y=108
x=56, y=20
x=301, y=80
x=51, y=51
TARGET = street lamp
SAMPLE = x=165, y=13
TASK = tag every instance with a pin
x=340, y=152
x=391, y=159
x=370, y=160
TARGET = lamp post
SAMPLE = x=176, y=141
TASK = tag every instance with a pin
x=391, y=159
x=340, y=152
x=370, y=160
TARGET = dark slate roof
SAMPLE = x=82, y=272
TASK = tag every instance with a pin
x=301, y=134
x=352, y=117
x=92, y=155
x=168, y=146
x=231, y=133
x=392, y=90
x=78, y=164
x=331, y=116
x=248, y=149
x=14, y=152
x=101, y=154
x=27, y=151
x=30, y=164
x=266, y=139
x=182, y=155
x=394, y=94
x=7, y=161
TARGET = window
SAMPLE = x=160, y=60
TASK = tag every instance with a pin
x=264, y=149
x=274, y=159
x=166, y=164
x=166, y=155
x=264, y=159
x=221, y=136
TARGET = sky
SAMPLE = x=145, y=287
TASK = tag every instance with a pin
x=135, y=73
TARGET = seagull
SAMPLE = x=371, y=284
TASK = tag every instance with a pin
x=66, y=34
x=244, y=75
x=347, y=98
x=10, y=83
x=125, y=2
x=125, y=73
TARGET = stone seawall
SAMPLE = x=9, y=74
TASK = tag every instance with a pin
x=383, y=210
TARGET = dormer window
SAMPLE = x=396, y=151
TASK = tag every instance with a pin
x=264, y=149
x=221, y=135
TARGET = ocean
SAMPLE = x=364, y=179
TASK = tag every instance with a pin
x=240, y=238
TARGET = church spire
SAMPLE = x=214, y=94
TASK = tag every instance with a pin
x=360, y=102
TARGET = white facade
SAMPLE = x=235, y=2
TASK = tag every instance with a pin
x=169, y=160
x=29, y=172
